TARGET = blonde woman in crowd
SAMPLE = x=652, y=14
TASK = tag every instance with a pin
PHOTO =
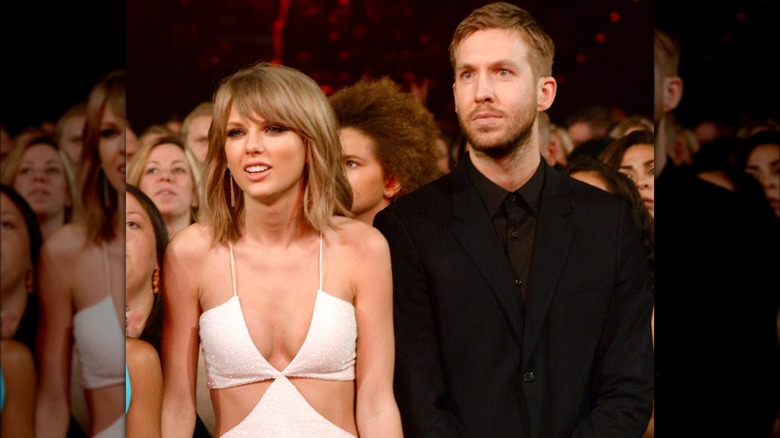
x=82, y=280
x=38, y=170
x=291, y=299
x=169, y=173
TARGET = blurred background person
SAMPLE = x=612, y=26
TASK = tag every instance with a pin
x=630, y=124
x=79, y=306
x=70, y=131
x=633, y=154
x=143, y=390
x=760, y=157
x=389, y=143
x=560, y=145
x=6, y=145
x=20, y=243
x=17, y=390
x=588, y=123
x=38, y=171
x=146, y=237
x=195, y=130
x=684, y=146
x=170, y=175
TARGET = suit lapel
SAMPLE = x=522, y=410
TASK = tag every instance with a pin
x=474, y=229
x=554, y=236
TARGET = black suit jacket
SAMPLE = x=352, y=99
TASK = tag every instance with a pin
x=580, y=361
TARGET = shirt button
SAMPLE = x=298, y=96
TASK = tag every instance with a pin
x=512, y=198
x=518, y=281
x=529, y=377
x=515, y=234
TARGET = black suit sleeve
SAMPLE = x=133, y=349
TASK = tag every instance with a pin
x=420, y=389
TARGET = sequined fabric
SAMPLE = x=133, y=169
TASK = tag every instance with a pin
x=100, y=340
x=327, y=353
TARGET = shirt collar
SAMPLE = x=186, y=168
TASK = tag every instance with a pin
x=493, y=195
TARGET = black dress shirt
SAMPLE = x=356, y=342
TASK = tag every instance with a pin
x=514, y=217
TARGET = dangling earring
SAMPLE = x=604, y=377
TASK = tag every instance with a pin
x=156, y=281
x=30, y=281
x=106, y=201
x=232, y=193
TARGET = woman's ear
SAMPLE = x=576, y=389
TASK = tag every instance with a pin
x=392, y=187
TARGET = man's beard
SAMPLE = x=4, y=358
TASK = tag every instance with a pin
x=505, y=145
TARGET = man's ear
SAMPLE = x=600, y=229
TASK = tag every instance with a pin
x=547, y=89
x=673, y=89
x=392, y=187
x=455, y=98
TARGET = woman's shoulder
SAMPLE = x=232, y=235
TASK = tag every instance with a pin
x=191, y=242
x=140, y=352
x=68, y=240
x=14, y=353
x=357, y=235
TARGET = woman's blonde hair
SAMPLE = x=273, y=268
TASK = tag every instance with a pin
x=135, y=168
x=14, y=162
x=288, y=97
x=98, y=200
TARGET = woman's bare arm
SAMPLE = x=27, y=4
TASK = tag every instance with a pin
x=180, y=337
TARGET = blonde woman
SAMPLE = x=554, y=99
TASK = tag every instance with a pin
x=41, y=172
x=82, y=280
x=291, y=299
x=170, y=174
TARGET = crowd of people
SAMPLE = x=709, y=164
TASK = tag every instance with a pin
x=301, y=264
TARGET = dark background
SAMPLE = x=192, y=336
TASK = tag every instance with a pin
x=729, y=58
x=51, y=53
x=176, y=52
x=179, y=51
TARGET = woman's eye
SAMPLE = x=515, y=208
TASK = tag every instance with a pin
x=351, y=164
x=234, y=132
x=132, y=225
x=8, y=225
x=109, y=133
x=180, y=170
x=151, y=171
